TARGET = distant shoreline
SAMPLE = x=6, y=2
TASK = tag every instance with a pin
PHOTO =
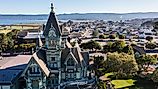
x=77, y=13
x=41, y=18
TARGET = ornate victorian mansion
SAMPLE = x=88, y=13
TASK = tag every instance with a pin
x=55, y=65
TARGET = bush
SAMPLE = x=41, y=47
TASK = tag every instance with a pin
x=91, y=45
x=122, y=64
x=149, y=38
x=73, y=43
x=121, y=36
x=118, y=46
x=102, y=37
x=27, y=46
x=95, y=33
x=128, y=49
x=113, y=47
x=112, y=36
x=154, y=76
x=150, y=45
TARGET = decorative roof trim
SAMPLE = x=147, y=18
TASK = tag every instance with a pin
x=69, y=56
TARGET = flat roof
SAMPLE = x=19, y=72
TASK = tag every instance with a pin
x=7, y=62
x=12, y=67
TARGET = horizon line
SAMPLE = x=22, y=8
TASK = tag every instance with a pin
x=74, y=13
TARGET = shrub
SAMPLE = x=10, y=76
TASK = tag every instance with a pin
x=112, y=36
x=102, y=37
x=121, y=36
x=150, y=45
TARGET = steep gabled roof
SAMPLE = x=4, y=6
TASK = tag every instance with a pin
x=41, y=64
x=70, y=55
x=67, y=44
x=52, y=22
x=76, y=53
x=86, y=57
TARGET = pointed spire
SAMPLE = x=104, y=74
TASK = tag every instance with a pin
x=52, y=8
x=52, y=22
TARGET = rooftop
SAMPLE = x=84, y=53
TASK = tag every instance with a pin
x=7, y=62
x=12, y=67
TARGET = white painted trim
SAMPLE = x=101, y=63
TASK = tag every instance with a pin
x=70, y=55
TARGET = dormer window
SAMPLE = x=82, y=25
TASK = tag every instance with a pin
x=70, y=62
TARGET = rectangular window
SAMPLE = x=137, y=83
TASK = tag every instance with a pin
x=70, y=70
x=55, y=65
x=70, y=75
x=55, y=81
x=52, y=58
x=34, y=70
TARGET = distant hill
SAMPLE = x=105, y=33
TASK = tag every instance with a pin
x=42, y=18
x=92, y=16
x=107, y=16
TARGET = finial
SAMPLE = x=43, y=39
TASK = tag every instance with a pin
x=52, y=7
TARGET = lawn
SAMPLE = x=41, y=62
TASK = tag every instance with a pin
x=134, y=83
x=109, y=74
x=5, y=31
x=123, y=83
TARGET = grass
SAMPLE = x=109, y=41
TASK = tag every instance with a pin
x=109, y=74
x=134, y=83
x=123, y=83
x=100, y=69
x=5, y=31
x=30, y=26
x=24, y=27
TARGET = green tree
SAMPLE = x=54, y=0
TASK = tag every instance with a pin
x=1, y=40
x=154, y=76
x=8, y=40
x=73, y=43
x=95, y=33
x=84, y=46
x=150, y=45
x=98, y=65
x=121, y=36
x=101, y=85
x=108, y=47
x=128, y=49
x=102, y=37
x=118, y=46
x=91, y=45
x=7, y=43
x=146, y=60
x=113, y=36
x=122, y=64
x=27, y=47
x=149, y=38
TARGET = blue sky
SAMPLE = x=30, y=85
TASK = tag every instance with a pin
x=77, y=6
